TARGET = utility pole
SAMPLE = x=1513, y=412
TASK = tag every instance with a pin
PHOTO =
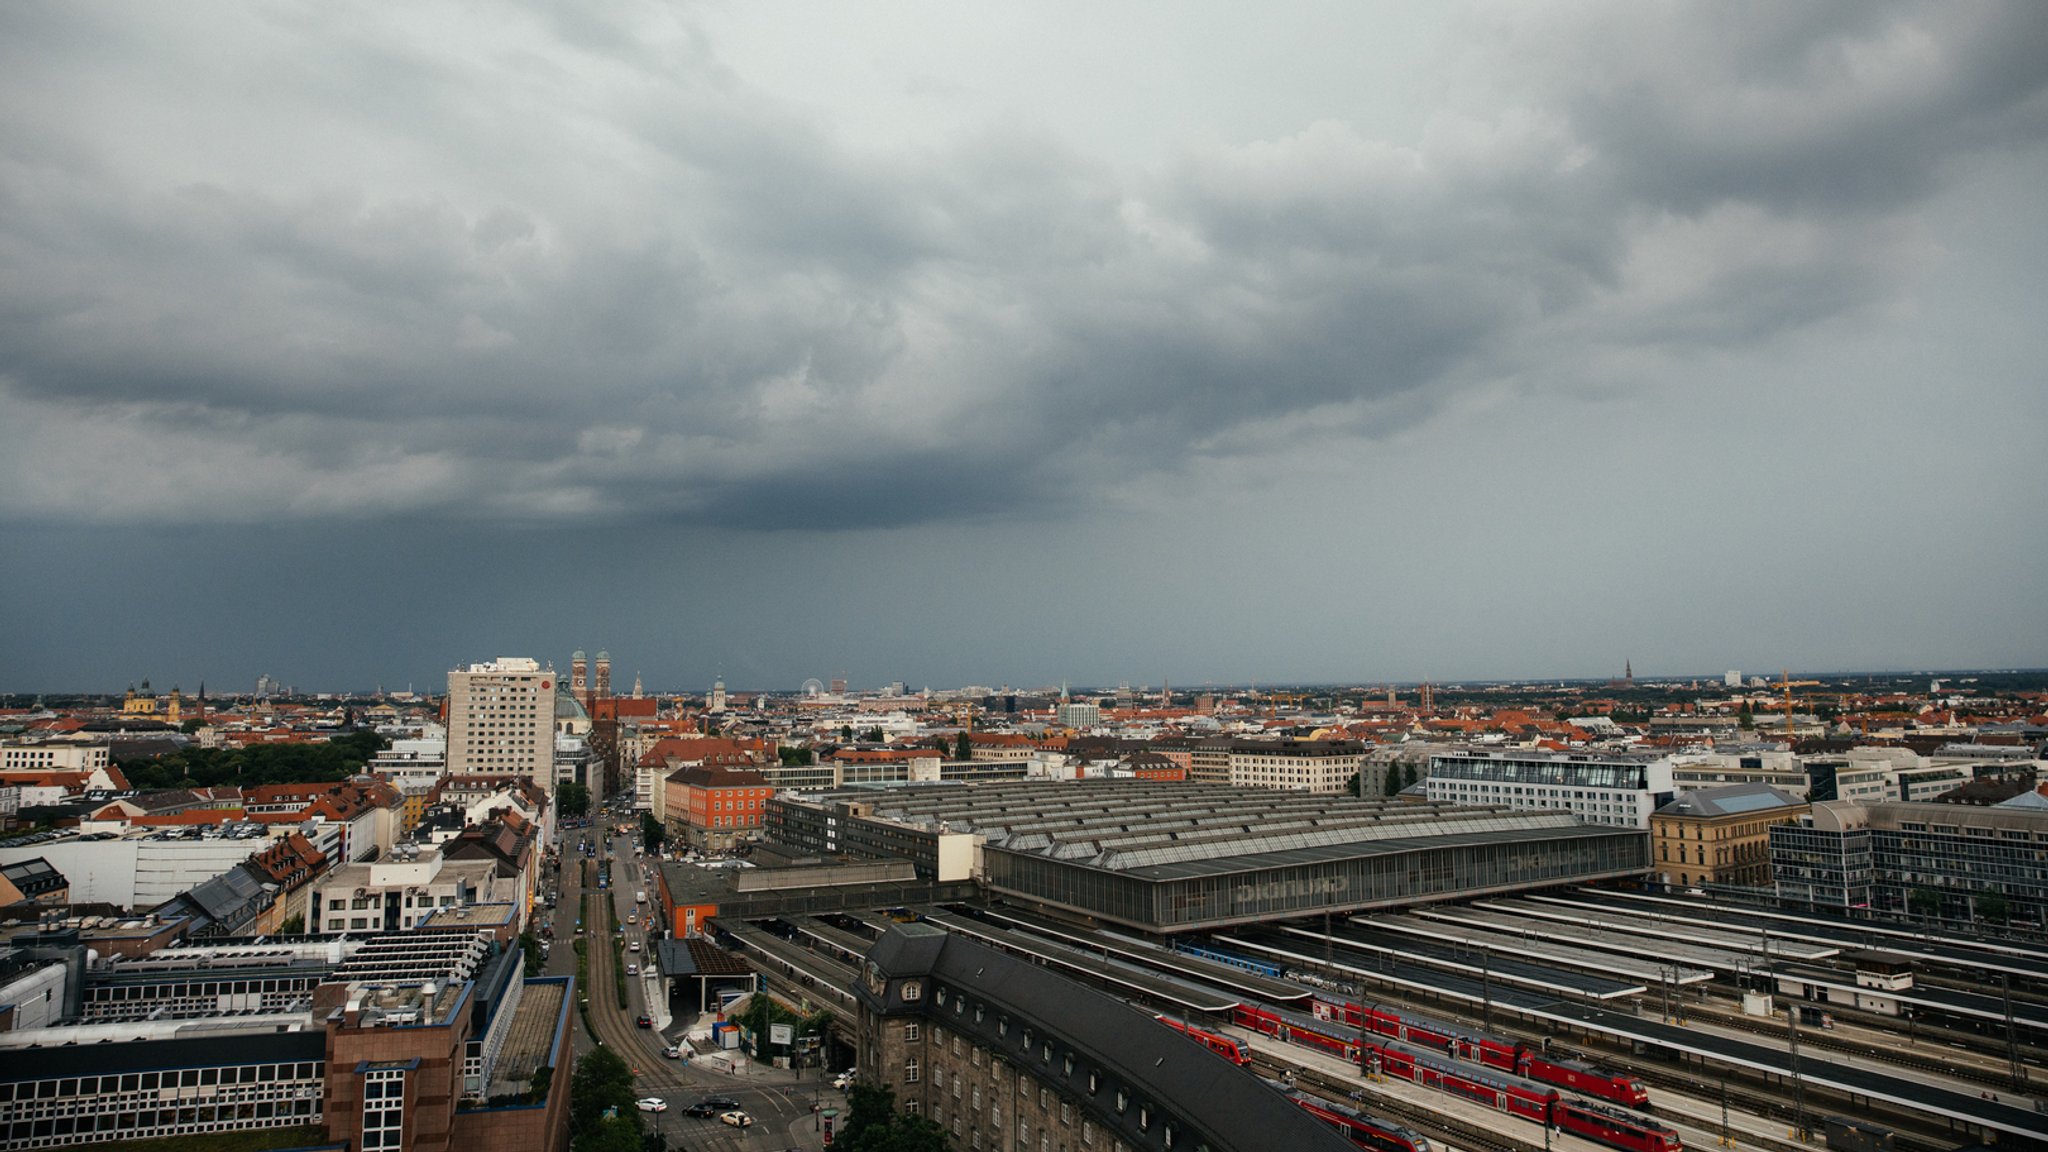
x=1798, y=1085
x=1725, y=1141
x=2012, y=1045
x=1486, y=984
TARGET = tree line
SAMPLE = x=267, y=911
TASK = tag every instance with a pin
x=196, y=767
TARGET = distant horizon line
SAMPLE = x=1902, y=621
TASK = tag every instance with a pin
x=1205, y=686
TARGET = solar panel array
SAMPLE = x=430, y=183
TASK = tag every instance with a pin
x=416, y=957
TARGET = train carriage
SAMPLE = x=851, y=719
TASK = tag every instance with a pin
x=1297, y=1028
x=1616, y=1127
x=1225, y=1046
x=1514, y=1096
x=1363, y=1130
x=1579, y=1076
x=1517, y=1096
x=1403, y=1024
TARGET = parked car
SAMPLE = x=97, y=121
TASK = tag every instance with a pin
x=645, y=1022
x=736, y=1118
x=652, y=1104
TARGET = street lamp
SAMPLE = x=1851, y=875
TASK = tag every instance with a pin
x=817, y=1081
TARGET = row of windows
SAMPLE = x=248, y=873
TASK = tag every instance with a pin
x=153, y=1081
x=207, y=988
x=154, y=1123
x=1044, y=1049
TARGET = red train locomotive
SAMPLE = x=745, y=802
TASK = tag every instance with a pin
x=1227, y=1047
x=1518, y=1096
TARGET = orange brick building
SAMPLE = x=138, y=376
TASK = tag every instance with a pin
x=713, y=807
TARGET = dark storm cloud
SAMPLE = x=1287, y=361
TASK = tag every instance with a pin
x=1826, y=107
x=580, y=268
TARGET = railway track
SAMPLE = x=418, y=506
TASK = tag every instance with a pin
x=1449, y=1129
x=1998, y=1078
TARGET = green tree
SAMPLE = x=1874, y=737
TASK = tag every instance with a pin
x=294, y=925
x=651, y=832
x=1924, y=901
x=572, y=799
x=873, y=736
x=1353, y=785
x=333, y=761
x=1745, y=717
x=846, y=733
x=530, y=944
x=876, y=1126
x=868, y=1106
x=1393, y=781
x=1408, y=776
x=963, y=748
x=601, y=1080
x=620, y=1133
x=1992, y=906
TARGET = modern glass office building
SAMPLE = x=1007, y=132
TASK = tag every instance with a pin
x=1875, y=856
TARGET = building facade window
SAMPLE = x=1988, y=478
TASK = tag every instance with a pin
x=383, y=1109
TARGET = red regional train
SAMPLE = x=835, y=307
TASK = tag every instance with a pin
x=1357, y=1127
x=1223, y=1046
x=1523, y=1059
x=1329, y=1036
x=1518, y=1096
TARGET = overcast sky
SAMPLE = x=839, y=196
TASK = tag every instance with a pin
x=967, y=343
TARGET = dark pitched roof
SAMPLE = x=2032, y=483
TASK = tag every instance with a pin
x=1230, y=1111
x=908, y=949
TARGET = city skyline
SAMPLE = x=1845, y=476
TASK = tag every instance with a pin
x=1755, y=681
x=1426, y=342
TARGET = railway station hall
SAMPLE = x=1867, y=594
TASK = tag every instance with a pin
x=1199, y=857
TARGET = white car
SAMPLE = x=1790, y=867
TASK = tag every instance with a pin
x=844, y=1080
x=736, y=1118
x=652, y=1104
x=633, y=947
x=632, y=969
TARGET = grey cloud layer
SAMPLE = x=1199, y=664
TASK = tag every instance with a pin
x=571, y=269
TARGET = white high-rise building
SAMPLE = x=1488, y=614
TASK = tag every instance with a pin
x=501, y=719
x=1734, y=678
